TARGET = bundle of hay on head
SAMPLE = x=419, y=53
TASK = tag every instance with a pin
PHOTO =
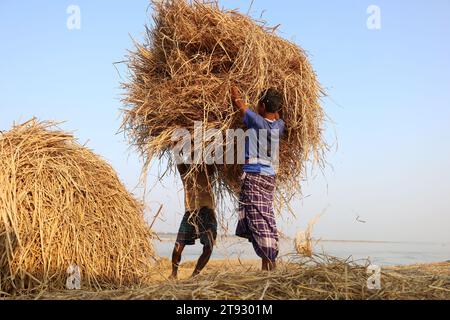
x=63, y=207
x=183, y=73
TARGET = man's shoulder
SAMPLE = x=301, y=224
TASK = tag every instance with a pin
x=250, y=113
x=279, y=124
x=252, y=119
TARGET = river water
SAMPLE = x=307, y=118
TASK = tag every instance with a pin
x=381, y=253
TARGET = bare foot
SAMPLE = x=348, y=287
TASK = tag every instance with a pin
x=173, y=277
x=194, y=274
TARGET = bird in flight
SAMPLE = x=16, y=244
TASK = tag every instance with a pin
x=359, y=220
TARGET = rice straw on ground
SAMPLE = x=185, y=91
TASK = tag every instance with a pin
x=317, y=278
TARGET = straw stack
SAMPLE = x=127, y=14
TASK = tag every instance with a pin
x=183, y=73
x=62, y=205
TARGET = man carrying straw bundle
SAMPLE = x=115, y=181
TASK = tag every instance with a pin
x=199, y=221
x=256, y=214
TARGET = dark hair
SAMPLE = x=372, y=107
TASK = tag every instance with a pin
x=272, y=99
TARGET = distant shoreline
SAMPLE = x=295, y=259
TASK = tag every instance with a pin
x=172, y=236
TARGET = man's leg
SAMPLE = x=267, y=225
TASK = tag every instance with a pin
x=203, y=260
x=185, y=236
x=268, y=265
x=208, y=237
x=176, y=258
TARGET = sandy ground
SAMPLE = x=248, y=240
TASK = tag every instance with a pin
x=164, y=267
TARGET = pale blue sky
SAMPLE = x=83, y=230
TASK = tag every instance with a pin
x=389, y=89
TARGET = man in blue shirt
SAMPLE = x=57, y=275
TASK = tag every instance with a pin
x=256, y=215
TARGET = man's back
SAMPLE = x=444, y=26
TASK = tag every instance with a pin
x=262, y=143
x=197, y=187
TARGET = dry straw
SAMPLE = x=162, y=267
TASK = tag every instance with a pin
x=303, y=242
x=60, y=204
x=316, y=278
x=183, y=72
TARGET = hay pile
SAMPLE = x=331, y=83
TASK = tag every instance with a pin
x=317, y=278
x=183, y=73
x=60, y=204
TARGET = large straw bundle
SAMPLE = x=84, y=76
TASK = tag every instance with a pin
x=60, y=204
x=183, y=73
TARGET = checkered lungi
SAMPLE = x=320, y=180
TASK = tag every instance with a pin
x=256, y=215
x=198, y=224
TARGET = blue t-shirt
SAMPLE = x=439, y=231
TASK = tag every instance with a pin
x=262, y=143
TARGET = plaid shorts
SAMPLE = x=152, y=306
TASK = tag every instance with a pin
x=200, y=224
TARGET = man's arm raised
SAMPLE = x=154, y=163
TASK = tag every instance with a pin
x=237, y=100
